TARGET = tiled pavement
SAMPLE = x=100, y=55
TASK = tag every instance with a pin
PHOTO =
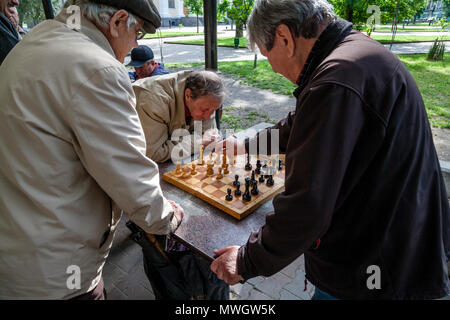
x=125, y=279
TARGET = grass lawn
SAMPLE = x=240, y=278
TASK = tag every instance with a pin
x=433, y=80
x=404, y=38
x=385, y=39
x=407, y=29
x=171, y=34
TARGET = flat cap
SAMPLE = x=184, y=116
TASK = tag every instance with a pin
x=144, y=9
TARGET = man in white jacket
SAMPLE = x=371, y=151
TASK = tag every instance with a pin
x=72, y=151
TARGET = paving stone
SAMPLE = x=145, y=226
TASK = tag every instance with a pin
x=286, y=295
x=111, y=274
x=138, y=292
x=258, y=295
x=297, y=264
x=126, y=256
x=297, y=287
x=254, y=281
x=272, y=286
x=234, y=296
x=115, y=294
x=243, y=291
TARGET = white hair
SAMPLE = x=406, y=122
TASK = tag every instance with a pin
x=99, y=14
x=303, y=17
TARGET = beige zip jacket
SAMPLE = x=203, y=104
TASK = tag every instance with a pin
x=160, y=106
x=71, y=147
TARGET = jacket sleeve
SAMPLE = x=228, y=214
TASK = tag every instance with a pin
x=324, y=132
x=153, y=111
x=109, y=141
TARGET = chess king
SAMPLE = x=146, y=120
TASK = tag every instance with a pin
x=173, y=107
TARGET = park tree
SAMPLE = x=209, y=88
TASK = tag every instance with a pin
x=356, y=10
x=195, y=7
x=446, y=4
x=236, y=10
x=32, y=11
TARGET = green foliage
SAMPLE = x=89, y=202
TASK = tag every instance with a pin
x=437, y=51
x=195, y=7
x=236, y=10
x=33, y=10
x=356, y=10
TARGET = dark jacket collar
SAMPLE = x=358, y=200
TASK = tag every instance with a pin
x=324, y=45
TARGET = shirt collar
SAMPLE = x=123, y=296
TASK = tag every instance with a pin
x=324, y=45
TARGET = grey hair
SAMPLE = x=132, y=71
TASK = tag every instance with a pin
x=204, y=83
x=302, y=17
x=99, y=14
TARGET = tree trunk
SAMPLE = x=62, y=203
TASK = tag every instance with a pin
x=239, y=30
x=197, y=23
x=349, y=14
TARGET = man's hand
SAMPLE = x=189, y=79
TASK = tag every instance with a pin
x=210, y=136
x=178, y=211
x=237, y=146
x=225, y=265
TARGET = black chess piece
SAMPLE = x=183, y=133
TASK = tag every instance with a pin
x=255, y=190
x=265, y=164
x=261, y=179
x=228, y=197
x=246, y=196
x=236, y=180
x=258, y=167
x=270, y=181
x=237, y=192
x=253, y=176
x=248, y=165
x=279, y=164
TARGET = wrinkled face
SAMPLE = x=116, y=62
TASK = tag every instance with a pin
x=203, y=107
x=277, y=58
x=7, y=7
x=121, y=38
x=146, y=70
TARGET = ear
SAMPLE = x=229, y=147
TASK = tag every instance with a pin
x=187, y=95
x=286, y=39
x=119, y=18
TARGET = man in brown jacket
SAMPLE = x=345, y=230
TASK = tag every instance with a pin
x=365, y=200
x=169, y=106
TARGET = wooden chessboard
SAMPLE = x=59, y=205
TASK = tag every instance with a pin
x=213, y=190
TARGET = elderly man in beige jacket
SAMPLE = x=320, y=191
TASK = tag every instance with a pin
x=169, y=104
x=72, y=151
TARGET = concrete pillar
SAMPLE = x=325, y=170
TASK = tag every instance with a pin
x=164, y=8
x=179, y=5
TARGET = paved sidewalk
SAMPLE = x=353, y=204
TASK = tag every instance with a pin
x=125, y=279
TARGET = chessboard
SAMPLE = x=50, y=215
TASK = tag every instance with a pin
x=213, y=188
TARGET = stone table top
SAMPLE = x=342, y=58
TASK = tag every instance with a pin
x=206, y=228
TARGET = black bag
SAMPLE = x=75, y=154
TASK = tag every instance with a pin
x=178, y=275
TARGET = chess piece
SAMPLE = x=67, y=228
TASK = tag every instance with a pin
x=246, y=196
x=270, y=181
x=236, y=180
x=265, y=164
x=219, y=175
x=258, y=167
x=279, y=164
x=248, y=165
x=237, y=192
x=210, y=170
x=178, y=171
x=255, y=190
x=228, y=197
x=185, y=169
x=225, y=169
x=224, y=160
x=253, y=176
x=261, y=178
x=200, y=159
x=193, y=172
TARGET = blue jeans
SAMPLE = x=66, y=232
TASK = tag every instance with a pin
x=321, y=295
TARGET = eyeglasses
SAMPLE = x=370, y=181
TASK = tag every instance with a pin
x=140, y=34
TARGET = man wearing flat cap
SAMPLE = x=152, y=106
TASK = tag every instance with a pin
x=142, y=59
x=73, y=151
